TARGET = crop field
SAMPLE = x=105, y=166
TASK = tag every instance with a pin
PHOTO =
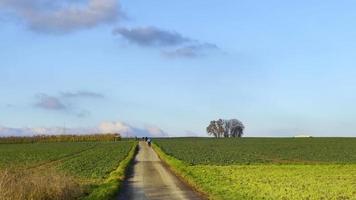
x=261, y=150
x=265, y=168
x=89, y=163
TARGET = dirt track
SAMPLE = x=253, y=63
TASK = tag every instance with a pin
x=149, y=179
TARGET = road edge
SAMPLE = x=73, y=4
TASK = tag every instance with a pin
x=112, y=185
x=179, y=168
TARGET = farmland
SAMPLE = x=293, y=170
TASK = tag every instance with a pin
x=265, y=168
x=261, y=150
x=88, y=163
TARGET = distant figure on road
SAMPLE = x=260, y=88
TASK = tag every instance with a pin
x=149, y=142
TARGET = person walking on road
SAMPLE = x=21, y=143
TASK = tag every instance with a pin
x=149, y=141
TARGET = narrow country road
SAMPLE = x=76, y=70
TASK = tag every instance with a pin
x=149, y=179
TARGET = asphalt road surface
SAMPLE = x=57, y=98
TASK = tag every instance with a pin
x=149, y=179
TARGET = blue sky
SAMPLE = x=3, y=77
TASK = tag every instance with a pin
x=283, y=68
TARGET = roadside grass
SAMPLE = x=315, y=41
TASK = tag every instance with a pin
x=40, y=185
x=267, y=181
x=181, y=169
x=111, y=186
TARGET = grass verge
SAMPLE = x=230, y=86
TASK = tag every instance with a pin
x=181, y=169
x=111, y=186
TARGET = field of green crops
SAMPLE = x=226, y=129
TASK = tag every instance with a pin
x=90, y=163
x=266, y=168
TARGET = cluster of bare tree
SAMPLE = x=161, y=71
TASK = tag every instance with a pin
x=225, y=128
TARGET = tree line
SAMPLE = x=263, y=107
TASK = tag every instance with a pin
x=62, y=138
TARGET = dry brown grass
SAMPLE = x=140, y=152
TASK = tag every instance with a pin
x=37, y=185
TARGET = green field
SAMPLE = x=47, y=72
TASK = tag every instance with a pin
x=89, y=163
x=265, y=168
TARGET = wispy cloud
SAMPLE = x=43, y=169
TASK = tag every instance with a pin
x=82, y=94
x=62, y=16
x=66, y=101
x=83, y=114
x=47, y=102
x=9, y=105
x=183, y=47
x=190, y=51
x=151, y=36
x=65, y=16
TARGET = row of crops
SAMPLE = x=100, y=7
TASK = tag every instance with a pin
x=96, y=163
x=89, y=163
x=33, y=154
x=265, y=168
x=261, y=150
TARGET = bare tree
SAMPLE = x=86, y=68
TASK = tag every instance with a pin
x=226, y=128
x=216, y=128
x=234, y=127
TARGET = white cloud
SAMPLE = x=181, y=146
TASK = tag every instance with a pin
x=115, y=127
x=128, y=130
x=156, y=131
x=7, y=131
x=105, y=127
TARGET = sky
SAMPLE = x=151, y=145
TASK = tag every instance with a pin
x=168, y=68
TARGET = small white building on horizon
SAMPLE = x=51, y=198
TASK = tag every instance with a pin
x=303, y=136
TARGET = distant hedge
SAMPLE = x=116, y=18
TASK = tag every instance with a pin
x=62, y=138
